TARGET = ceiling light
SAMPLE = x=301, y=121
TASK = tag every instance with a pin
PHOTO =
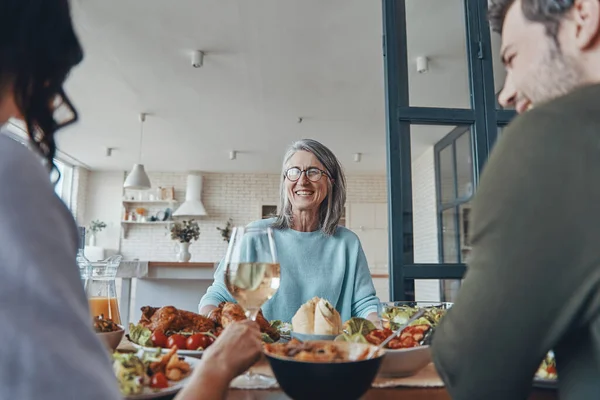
x=197, y=58
x=422, y=64
x=232, y=155
x=137, y=178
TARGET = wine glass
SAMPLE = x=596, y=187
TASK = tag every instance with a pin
x=252, y=276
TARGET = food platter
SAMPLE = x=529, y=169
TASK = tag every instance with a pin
x=150, y=393
x=182, y=352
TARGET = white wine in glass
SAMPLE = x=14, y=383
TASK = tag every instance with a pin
x=251, y=284
x=252, y=276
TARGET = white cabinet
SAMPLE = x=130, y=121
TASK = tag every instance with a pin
x=369, y=222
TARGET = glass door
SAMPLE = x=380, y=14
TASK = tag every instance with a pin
x=442, y=121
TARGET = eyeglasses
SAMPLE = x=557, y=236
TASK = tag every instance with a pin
x=64, y=113
x=313, y=174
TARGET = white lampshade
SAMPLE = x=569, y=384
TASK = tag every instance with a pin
x=137, y=179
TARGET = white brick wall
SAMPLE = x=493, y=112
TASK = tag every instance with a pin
x=235, y=196
x=425, y=228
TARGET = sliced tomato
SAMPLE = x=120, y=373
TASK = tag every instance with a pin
x=159, y=381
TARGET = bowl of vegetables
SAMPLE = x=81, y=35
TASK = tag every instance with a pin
x=408, y=353
x=109, y=332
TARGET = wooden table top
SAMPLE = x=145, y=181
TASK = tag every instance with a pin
x=376, y=394
x=413, y=393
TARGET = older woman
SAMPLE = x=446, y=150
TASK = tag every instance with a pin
x=317, y=257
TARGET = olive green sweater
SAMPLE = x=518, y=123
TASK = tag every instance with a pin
x=533, y=282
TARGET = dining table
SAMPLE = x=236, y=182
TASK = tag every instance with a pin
x=400, y=392
x=373, y=394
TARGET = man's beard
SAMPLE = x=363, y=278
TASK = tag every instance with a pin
x=556, y=75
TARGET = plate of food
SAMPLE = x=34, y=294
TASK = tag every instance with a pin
x=150, y=375
x=192, y=333
x=546, y=376
x=329, y=370
x=409, y=352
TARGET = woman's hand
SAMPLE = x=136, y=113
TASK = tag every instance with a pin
x=234, y=351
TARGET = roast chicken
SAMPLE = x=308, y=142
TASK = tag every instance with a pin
x=171, y=319
x=227, y=313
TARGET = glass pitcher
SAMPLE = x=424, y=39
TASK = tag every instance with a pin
x=101, y=289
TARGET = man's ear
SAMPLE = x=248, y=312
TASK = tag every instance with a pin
x=586, y=16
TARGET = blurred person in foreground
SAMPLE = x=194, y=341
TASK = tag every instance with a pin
x=49, y=349
x=533, y=281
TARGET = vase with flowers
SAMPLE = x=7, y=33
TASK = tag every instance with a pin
x=184, y=232
x=93, y=229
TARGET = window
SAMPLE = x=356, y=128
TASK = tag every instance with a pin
x=454, y=172
x=64, y=186
x=430, y=211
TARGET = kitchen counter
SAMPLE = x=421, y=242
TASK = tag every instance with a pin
x=162, y=283
x=170, y=264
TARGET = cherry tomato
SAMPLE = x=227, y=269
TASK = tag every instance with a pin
x=159, y=339
x=159, y=381
x=176, y=340
x=198, y=341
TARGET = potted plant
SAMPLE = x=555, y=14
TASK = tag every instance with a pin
x=226, y=232
x=93, y=229
x=184, y=232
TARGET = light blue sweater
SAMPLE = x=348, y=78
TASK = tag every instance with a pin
x=312, y=264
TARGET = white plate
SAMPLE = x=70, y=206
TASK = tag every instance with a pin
x=188, y=353
x=545, y=383
x=174, y=387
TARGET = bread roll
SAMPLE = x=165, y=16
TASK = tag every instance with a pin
x=304, y=319
x=327, y=319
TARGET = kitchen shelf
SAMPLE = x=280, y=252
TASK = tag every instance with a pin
x=126, y=225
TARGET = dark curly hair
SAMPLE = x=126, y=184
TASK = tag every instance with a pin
x=38, y=48
x=547, y=12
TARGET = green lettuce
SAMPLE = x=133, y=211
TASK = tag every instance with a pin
x=354, y=338
x=140, y=335
x=358, y=325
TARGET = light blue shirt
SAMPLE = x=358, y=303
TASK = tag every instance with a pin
x=312, y=264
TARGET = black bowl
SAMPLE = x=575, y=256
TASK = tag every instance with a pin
x=349, y=380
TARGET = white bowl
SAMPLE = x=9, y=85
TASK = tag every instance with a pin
x=305, y=337
x=404, y=362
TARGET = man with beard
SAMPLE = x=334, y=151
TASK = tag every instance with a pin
x=533, y=281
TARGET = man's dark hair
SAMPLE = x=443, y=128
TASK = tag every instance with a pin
x=38, y=48
x=547, y=12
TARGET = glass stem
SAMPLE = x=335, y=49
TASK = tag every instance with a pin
x=251, y=314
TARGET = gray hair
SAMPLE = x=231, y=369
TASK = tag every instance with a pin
x=331, y=209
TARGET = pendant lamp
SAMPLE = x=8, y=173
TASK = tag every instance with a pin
x=138, y=178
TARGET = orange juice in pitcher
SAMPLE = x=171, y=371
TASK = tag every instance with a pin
x=101, y=289
x=106, y=308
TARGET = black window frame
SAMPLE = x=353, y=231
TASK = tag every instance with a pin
x=483, y=117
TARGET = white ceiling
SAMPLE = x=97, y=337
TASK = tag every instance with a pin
x=267, y=63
